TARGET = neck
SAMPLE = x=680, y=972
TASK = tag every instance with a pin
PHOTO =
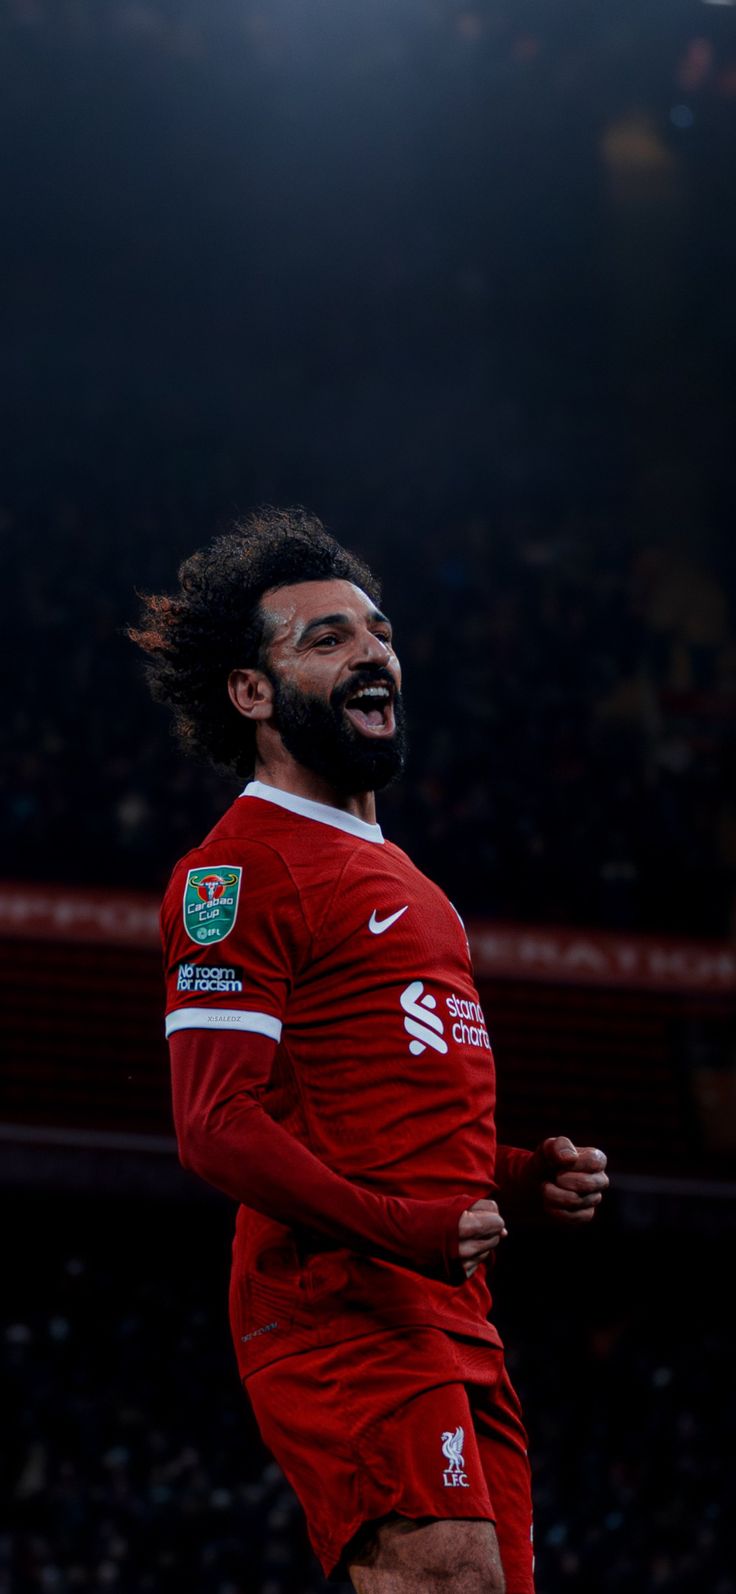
x=285, y=774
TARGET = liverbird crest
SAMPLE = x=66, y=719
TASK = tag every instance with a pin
x=452, y=1447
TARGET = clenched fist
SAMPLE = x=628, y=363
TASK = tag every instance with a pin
x=480, y=1228
x=572, y=1179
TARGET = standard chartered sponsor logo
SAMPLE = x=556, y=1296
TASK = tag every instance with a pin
x=201, y=979
x=423, y=1022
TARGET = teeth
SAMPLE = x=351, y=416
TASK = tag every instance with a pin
x=371, y=691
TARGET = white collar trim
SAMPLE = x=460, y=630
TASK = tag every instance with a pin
x=311, y=810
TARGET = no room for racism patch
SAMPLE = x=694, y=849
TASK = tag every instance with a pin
x=211, y=903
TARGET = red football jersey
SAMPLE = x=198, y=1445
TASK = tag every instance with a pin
x=299, y=922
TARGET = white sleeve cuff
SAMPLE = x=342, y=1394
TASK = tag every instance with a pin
x=223, y=1018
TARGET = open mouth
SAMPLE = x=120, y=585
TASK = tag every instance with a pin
x=371, y=711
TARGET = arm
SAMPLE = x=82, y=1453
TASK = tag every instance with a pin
x=516, y=1183
x=225, y=1136
x=512, y=1165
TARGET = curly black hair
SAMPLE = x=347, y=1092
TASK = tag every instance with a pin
x=214, y=623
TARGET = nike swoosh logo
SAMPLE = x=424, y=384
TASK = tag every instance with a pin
x=377, y=926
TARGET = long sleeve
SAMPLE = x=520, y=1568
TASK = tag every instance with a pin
x=516, y=1182
x=226, y=1136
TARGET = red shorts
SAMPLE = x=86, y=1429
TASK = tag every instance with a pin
x=410, y=1421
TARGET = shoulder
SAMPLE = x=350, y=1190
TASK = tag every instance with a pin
x=243, y=836
x=238, y=858
x=386, y=879
x=396, y=864
x=260, y=864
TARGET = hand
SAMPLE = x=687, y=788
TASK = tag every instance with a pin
x=480, y=1228
x=572, y=1180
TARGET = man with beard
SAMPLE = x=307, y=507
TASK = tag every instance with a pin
x=332, y=1072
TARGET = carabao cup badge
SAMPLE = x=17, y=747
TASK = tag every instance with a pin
x=211, y=903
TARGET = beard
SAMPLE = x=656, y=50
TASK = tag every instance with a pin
x=319, y=736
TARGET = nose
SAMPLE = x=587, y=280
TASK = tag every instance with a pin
x=370, y=649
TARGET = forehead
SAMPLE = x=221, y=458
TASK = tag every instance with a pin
x=289, y=609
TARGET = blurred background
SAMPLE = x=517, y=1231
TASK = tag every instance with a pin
x=459, y=276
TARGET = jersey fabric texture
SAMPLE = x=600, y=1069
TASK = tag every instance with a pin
x=297, y=934
x=410, y=1421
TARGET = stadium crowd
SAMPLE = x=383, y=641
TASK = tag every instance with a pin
x=571, y=696
x=421, y=266
x=132, y=1462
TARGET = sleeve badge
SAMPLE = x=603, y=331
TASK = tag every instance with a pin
x=211, y=903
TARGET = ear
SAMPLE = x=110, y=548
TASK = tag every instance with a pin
x=251, y=693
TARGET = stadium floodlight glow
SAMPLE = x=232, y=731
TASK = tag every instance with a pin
x=719, y=2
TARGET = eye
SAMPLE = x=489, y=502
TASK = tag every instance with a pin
x=329, y=640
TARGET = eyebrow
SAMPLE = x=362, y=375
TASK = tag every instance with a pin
x=376, y=618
